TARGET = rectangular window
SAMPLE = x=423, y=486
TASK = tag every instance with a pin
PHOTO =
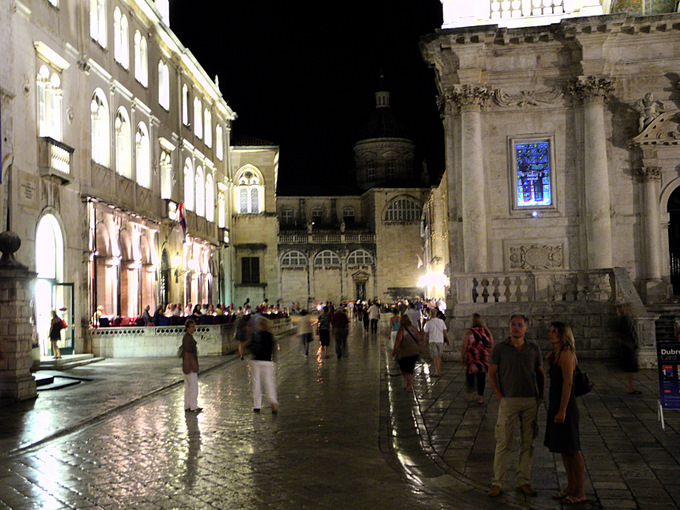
x=250, y=270
x=532, y=179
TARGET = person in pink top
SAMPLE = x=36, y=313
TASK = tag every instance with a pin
x=477, y=344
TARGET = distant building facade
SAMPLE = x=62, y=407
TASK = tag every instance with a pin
x=562, y=154
x=365, y=245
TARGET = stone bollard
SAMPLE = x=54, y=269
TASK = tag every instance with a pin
x=16, y=289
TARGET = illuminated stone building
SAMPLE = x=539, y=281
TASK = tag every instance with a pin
x=364, y=244
x=108, y=124
x=561, y=182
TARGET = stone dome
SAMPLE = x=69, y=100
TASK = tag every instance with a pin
x=382, y=123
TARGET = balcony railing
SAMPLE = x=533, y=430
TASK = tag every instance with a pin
x=55, y=159
x=326, y=237
x=515, y=13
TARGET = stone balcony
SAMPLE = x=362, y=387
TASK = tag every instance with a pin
x=55, y=159
x=332, y=236
x=515, y=13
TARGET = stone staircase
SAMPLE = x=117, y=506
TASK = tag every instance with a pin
x=67, y=361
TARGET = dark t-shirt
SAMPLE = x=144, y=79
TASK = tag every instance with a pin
x=324, y=321
x=517, y=368
x=340, y=320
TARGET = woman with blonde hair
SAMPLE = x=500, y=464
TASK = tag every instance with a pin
x=562, y=427
x=477, y=344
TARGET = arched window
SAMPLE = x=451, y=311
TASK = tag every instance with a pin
x=200, y=191
x=121, y=46
x=98, y=21
x=141, y=59
x=207, y=120
x=49, y=103
x=188, y=185
x=209, y=197
x=185, y=105
x=250, y=193
x=359, y=258
x=143, y=156
x=163, y=85
x=219, y=143
x=391, y=169
x=371, y=167
x=123, y=144
x=221, y=210
x=348, y=214
x=403, y=210
x=166, y=174
x=99, y=112
x=327, y=258
x=293, y=259
x=198, y=122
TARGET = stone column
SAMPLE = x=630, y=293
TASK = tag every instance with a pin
x=593, y=92
x=16, y=282
x=654, y=289
x=469, y=100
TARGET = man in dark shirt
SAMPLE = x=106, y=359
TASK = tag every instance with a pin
x=340, y=323
x=518, y=381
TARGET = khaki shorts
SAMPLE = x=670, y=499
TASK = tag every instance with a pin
x=436, y=349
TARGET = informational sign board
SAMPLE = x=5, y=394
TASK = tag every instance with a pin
x=668, y=357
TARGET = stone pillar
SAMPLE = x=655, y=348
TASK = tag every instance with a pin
x=594, y=91
x=470, y=100
x=654, y=289
x=16, y=283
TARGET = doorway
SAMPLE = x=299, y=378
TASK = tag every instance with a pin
x=674, y=238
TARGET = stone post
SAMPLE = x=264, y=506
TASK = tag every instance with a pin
x=16, y=282
x=470, y=100
x=594, y=91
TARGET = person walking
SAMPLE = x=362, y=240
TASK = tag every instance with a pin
x=437, y=336
x=414, y=314
x=304, y=331
x=394, y=325
x=190, y=368
x=243, y=333
x=477, y=344
x=324, y=328
x=374, y=317
x=56, y=325
x=562, y=425
x=262, y=365
x=340, y=323
x=517, y=379
x=407, y=349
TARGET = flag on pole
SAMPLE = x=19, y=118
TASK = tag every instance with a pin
x=182, y=221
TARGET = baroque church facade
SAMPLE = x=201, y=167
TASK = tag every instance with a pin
x=118, y=170
x=365, y=244
x=562, y=157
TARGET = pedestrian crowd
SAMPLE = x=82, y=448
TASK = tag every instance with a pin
x=514, y=368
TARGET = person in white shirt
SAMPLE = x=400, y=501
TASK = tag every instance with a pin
x=437, y=336
x=374, y=317
x=414, y=315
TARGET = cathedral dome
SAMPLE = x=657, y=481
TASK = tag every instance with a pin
x=382, y=123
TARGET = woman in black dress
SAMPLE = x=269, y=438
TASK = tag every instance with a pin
x=561, y=430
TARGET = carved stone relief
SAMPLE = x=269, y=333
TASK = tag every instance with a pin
x=535, y=256
x=528, y=97
x=586, y=87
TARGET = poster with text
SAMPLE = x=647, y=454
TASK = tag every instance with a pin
x=668, y=357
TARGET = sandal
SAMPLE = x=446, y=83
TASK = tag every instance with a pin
x=560, y=495
x=571, y=500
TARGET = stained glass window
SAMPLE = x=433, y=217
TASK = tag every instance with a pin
x=533, y=176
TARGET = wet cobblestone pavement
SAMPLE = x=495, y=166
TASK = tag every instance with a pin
x=346, y=436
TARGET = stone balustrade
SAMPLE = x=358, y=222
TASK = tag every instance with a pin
x=163, y=341
x=523, y=287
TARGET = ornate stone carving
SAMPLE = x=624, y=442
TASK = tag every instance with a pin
x=648, y=173
x=536, y=256
x=460, y=96
x=586, y=87
x=649, y=109
x=664, y=129
x=528, y=97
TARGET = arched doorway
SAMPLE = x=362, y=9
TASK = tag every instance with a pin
x=51, y=292
x=673, y=209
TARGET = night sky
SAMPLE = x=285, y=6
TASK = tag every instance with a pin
x=304, y=78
